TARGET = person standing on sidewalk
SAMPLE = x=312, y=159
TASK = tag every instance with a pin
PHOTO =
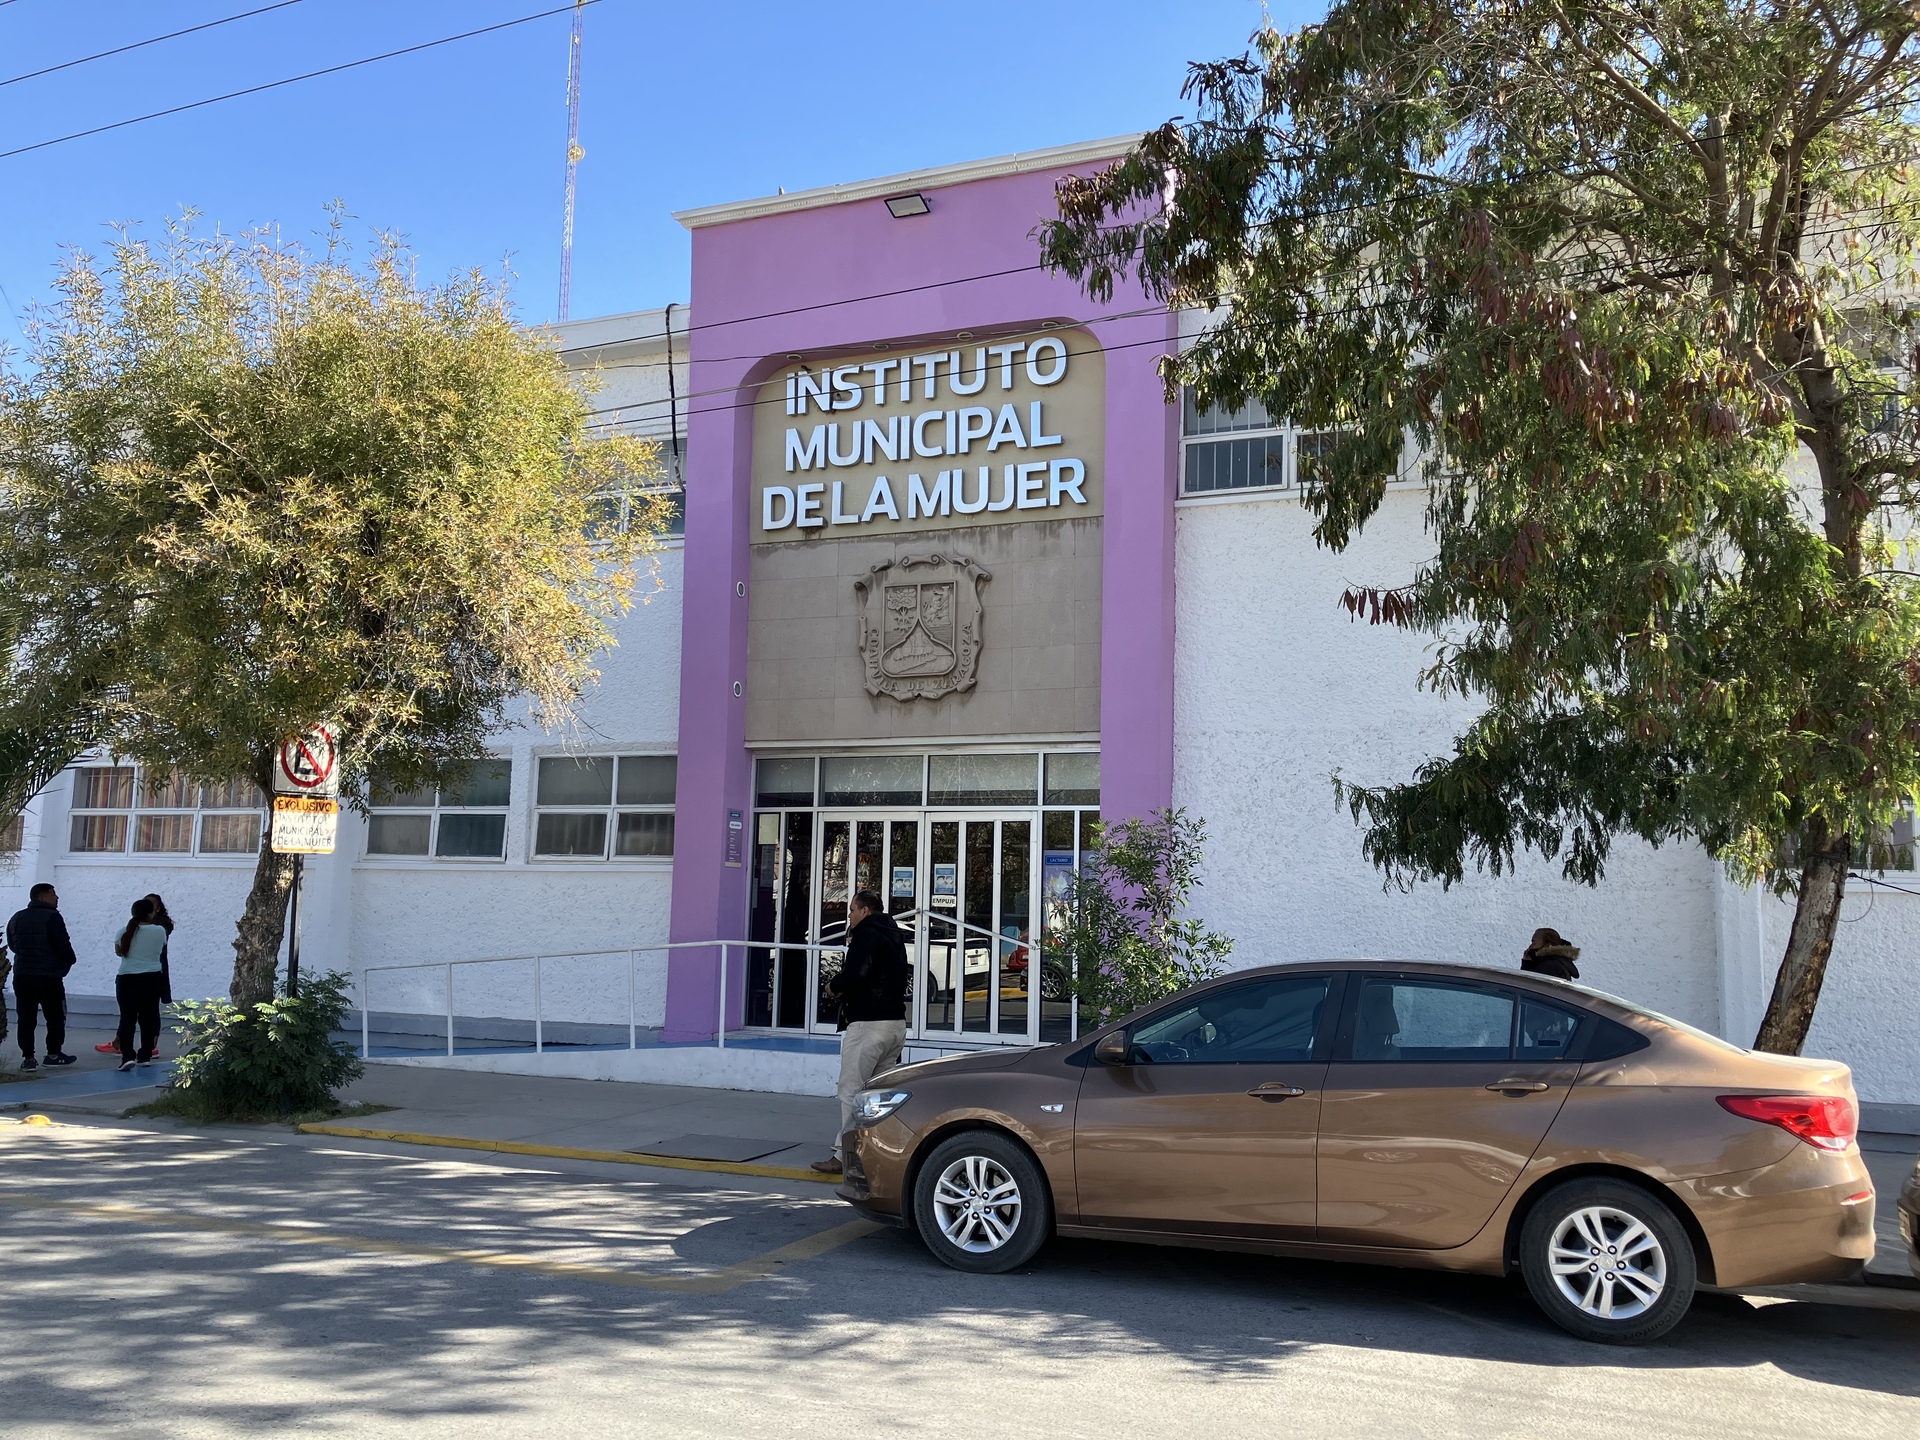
x=1549, y=953
x=137, y=987
x=165, y=922
x=872, y=990
x=42, y=956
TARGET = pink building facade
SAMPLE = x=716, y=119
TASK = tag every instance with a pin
x=773, y=644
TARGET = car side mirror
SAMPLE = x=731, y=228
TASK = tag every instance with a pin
x=1112, y=1049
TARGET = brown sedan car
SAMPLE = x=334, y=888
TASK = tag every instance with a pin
x=1443, y=1116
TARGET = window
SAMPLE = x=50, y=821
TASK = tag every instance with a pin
x=1403, y=1019
x=1546, y=1032
x=162, y=813
x=982, y=779
x=612, y=511
x=1245, y=449
x=783, y=780
x=1267, y=1022
x=462, y=819
x=585, y=801
x=1891, y=848
x=13, y=835
x=1255, y=457
x=872, y=780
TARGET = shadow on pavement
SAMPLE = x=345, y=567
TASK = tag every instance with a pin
x=259, y=1332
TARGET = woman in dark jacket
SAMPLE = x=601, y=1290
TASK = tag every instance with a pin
x=1549, y=954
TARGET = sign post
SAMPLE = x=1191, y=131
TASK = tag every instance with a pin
x=306, y=817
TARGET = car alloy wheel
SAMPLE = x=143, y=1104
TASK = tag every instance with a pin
x=981, y=1202
x=977, y=1204
x=1608, y=1263
x=1608, y=1260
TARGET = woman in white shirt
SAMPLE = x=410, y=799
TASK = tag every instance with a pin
x=138, y=985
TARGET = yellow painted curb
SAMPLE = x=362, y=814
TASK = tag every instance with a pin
x=561, y=1152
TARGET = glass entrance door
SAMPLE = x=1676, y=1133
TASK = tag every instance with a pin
x=859, y=852
x=978, y=977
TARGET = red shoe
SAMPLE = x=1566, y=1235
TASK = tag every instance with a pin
x=112, y=1049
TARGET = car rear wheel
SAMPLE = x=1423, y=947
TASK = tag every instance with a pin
x=981, y=1203
x=1608, y=1261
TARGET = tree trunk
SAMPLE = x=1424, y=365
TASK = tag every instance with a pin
x=1796, y=990
x=256, y=949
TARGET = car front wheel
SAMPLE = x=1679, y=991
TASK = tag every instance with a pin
x=981, y=1203
x=1608, y=1261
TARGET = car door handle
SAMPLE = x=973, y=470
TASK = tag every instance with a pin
x=1517, y=1087
x=1273, y=1090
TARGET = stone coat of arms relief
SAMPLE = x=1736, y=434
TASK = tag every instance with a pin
x=920, y=622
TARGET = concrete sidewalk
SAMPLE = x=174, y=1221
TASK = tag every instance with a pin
x=737, y=1132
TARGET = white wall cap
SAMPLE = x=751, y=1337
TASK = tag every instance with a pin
x=641, y=329
x=1057, y=157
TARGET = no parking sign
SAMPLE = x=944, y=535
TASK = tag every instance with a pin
x=309, y=764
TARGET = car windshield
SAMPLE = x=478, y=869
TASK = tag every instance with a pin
x=1639, y=1009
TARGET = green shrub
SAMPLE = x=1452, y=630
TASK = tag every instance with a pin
x=1127, y=936
x=267, y=1060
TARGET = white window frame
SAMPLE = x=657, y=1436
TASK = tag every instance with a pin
x=613, y=810
x=434, y=812
x=197, y=811
x=1242, y=424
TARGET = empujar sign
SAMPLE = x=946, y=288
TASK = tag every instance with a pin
x=912, y=439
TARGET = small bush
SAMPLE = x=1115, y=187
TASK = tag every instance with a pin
x=264, y=1061
x=1128, y=935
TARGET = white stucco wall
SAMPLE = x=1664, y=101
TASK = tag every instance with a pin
x=1869, y=1013
x=1276, y=689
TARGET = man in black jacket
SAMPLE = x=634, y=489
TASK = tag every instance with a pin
x=42, y=956
x=872, y=990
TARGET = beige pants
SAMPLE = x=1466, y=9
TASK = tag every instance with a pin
x=866, y=1048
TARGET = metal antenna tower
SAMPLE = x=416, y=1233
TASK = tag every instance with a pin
x=574, y=154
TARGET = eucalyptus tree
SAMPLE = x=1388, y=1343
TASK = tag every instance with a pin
x=270, y=487
x=1633, y=281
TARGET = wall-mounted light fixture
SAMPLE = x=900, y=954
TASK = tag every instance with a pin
x=901, y=206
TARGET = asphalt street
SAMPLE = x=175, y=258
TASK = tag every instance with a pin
x=166, y=1283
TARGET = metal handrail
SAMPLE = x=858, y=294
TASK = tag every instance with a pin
x=633, y=952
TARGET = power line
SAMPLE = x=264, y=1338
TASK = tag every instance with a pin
x=290, y=80
x=1302, y=215
x=1337, y=313
x=1883, y=884
x=142, y=44
x=967, y=279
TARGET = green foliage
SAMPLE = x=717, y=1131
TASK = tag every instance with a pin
x=1628, y=284
x=266, y=1060
x=245, y=487
x=1128, y=939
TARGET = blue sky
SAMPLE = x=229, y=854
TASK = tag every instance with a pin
x=461, y=148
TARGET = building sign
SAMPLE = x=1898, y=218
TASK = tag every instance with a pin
x=304, y=824
x=884, y=442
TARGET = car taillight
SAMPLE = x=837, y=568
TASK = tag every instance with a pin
x=1828, y=1121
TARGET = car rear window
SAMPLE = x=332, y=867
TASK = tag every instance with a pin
x=1646, y=1014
